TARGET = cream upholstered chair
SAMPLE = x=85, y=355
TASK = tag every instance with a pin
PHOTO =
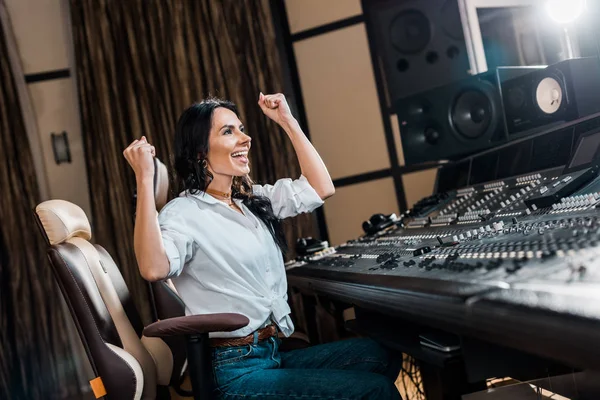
x=127, y=362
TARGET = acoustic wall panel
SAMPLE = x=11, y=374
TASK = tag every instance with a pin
x=353, y=204
x=418, y=185
x=307, y=14
x=41, y=32
x=341, y=101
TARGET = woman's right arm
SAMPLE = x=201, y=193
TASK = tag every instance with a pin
x=147, y=239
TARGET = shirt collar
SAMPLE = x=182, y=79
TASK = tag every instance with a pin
x=200, y=195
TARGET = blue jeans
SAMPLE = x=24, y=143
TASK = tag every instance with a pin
x=347, y=369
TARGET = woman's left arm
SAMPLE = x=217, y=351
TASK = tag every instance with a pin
x=313, y=168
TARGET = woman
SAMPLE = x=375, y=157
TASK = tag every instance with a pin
x=221, y=242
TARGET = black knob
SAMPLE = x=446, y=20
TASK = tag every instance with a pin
x=376, y=223
x=301, y=243
x=308, y=246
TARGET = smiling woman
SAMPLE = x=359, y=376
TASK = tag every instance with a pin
x=188, y=51
x=222, y=244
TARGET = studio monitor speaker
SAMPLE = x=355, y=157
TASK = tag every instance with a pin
x=452, y=120
x=561, y=92
x=420, y=43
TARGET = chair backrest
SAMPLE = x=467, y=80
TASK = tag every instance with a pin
x=129, y=365
x=164, y=297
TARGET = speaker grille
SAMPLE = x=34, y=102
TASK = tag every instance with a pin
x=410, y=32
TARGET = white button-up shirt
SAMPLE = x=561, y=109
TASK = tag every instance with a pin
x=224, y=262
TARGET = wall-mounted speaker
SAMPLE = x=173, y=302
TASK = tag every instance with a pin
x=561, y=92
x=420, y=42
x=452, y=120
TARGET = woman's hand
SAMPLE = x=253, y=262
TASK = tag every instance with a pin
x=276, y=107
x=140, y=156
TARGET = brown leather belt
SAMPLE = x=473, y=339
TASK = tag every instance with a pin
x=264, y=333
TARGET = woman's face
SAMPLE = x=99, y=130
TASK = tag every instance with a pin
x=228, y=145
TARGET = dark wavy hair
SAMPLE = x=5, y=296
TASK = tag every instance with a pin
x=191, y=149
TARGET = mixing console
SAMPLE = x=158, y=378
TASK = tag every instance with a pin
x=502, y=242
x=482, y=234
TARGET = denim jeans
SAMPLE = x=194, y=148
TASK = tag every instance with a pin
x=347, y=369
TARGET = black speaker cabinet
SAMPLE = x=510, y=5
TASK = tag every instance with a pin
x=452, y=120
x=420, y=43
x=561, y=92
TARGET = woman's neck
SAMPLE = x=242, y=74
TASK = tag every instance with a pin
x=221, y=183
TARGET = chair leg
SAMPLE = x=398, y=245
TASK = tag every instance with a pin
x=200, y=366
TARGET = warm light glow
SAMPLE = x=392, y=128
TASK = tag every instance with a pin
x=565, y=11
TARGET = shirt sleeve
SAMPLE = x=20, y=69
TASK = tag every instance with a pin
x=179, y=245
x=290, y=198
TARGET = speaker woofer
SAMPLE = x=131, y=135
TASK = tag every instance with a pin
x=410, y=32
x=472, y=113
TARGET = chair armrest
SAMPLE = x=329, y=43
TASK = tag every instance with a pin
x=196, y=324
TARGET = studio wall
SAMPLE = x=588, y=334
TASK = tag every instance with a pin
x=345, y=123
x=42, y=32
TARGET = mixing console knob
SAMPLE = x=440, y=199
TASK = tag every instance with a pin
x=482, y=229
x=422, y=250
x=378, y=222
x=308, y=246
x=469, y=234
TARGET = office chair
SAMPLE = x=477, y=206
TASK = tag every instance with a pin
x=128, y=360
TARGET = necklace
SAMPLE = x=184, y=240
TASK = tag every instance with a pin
x=217, y=193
